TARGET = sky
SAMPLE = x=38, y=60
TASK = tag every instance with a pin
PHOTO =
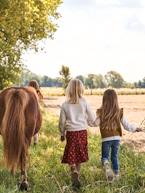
x=95, y=36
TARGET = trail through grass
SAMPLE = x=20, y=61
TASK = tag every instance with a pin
x=47, y=175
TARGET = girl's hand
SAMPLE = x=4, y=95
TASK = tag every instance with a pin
x=62, y=138
x=138, y=129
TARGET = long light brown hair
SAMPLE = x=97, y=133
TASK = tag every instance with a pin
x=109, y=112
x=74, y=91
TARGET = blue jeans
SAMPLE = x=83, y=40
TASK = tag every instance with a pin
x=111, y=146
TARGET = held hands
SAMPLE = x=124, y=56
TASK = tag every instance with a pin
x=139, y=129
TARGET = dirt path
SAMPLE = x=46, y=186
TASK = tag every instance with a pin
x=134, y=110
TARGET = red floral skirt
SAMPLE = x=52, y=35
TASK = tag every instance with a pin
x=76, y=149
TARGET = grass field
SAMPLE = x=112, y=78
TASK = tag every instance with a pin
x=47, y=175
x=53, y=91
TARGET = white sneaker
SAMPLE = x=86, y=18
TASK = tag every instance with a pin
x=108, y=171
x=117, y=177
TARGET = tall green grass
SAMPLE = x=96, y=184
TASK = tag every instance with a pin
x=46, y=174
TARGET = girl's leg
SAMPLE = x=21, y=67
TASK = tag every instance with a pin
x=75, y=176
x=35, y=138
x=114, y=156
x=105, y=160
x=73, y=168
x=105, y=151
x=78, y=167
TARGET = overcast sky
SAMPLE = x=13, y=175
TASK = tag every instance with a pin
x=95, y=36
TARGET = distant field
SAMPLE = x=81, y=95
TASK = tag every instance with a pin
x=54, y=91
x=134, y=105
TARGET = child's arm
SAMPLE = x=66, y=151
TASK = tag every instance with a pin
x=92, y=120
x=62, y=120
x=97, y=122
x=129, y=127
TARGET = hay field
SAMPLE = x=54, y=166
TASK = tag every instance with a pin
x=57, y=91
x=134, y=105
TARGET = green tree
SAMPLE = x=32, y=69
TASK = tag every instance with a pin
x=27, y=75
x=129, y=85
x=99, y=81
x=9, y=72
x=65, y=75
x=143, y=83
x=22, y=24
x=114, y=79
x=89, y=81
x=140, y=83
x=82, y=78
x=50, y=82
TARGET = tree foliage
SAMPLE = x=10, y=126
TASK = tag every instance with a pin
x=114, y=79
x=99, y=81
x=65, y=75
x=95, y=81
x=44, y=81
x=140, y=83
x=82, y=78
x=89, y=81
x=22, y=24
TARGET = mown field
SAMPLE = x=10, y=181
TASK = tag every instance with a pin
x=47, y=175
x=54, y=91
x=134, y=105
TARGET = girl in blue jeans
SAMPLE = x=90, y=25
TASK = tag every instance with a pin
x=110, y=118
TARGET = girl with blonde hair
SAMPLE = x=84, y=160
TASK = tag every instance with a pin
x=110, y=118
x=74, y=118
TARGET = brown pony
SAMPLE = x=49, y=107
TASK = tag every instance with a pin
x=20, y=119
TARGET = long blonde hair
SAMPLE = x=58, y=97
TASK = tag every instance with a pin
x=74, y=91
x=109, y=113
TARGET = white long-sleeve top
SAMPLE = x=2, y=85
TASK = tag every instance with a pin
x=75, y=117
x=126, y=125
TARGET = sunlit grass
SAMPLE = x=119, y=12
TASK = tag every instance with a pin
x=53, y=91
x=47, y=175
